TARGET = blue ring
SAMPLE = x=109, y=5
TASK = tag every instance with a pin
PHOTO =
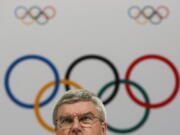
x=130, y=12
x=9, y=71
x=15, y=12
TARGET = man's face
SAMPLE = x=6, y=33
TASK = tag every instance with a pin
x=78, y=115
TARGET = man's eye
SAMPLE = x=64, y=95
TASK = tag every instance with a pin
x=86, y=118
x=66, y=120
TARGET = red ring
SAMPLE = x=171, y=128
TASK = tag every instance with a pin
x=175, y=72
x=52, y=9
x=166, y=9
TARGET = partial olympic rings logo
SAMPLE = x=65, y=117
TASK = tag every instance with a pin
x=117, y=81
x=148, y=14
x=34, y=14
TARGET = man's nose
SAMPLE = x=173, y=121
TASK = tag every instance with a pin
x=76, y=127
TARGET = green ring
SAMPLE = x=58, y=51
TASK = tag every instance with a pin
x=147, y=110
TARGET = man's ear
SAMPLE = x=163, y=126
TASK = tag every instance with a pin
x=104, y=128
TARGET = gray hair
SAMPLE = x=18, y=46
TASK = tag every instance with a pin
x=76, y=95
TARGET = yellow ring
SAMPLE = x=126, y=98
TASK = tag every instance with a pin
x=141, y=23
x=37, y=102
x=27, y=23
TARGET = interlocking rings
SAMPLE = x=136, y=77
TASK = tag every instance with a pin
x=176, y=77
x=147, y=110
x=148, y=13
x=24, y=58
x=35, y=13
x=103, y=59
x=116, y=82
x=37, y=100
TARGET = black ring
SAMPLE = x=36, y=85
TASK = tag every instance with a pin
x=36, y=16
x=106, y=61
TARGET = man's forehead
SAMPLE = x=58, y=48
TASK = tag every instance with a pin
x=79, y=107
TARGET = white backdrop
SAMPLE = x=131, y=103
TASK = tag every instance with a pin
x=84, y=27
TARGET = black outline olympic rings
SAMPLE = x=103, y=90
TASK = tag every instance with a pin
x=35, y=13
x=103, y=59
x=154, y=13
x=175, y=73
x=67, y=81
x=146, y=113
x=22, y=59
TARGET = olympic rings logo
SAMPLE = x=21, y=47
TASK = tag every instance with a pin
x=34, y=13
x=117, y=81
x=148, y=13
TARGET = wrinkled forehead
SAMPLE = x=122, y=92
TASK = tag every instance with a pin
x=80, y=107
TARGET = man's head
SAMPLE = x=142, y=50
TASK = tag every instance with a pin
x=79, y=112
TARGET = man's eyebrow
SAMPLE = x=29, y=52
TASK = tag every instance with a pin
x=64, y=116
x=68, y=115
x=87, y=113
